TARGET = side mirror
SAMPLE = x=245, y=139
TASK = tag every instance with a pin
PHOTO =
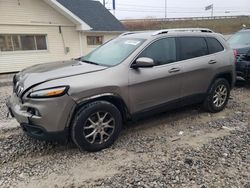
x=143, y=62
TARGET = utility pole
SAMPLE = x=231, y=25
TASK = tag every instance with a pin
x=212, y=11
x=166, y=9
x=114, y=7
x=104, y=3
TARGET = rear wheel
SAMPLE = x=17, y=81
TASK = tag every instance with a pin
x=96, y=126
x=218, y=96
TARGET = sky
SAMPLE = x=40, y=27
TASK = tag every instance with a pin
x=132, y=9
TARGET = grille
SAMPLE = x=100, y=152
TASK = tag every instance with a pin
x=17, y=88
x=240, y=57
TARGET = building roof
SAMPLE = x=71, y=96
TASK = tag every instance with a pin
x=94, y=14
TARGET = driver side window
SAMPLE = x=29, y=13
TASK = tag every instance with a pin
x=162, y=51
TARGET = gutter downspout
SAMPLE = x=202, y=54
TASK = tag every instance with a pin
x=64, y=46
x=80, y=39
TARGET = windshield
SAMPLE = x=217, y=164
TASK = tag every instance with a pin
x=241, y=38
x=113, y=52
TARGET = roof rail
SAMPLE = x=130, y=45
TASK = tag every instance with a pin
x=164, y=31
x=127, y=33
x=134, y=32
x=245, y=28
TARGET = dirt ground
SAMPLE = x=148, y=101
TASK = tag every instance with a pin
x=182, y=148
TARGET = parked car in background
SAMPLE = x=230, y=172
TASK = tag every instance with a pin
x=133, y=75
x=240, y=42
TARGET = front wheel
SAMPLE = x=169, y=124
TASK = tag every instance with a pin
x=217, y=96
x=96, y=126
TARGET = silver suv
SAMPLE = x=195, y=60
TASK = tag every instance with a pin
x=88, y=99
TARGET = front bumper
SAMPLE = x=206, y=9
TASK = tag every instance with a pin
x=49, y=118
x=40, y=133
x=243, y=70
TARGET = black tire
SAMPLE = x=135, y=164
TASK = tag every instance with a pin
x=208, y=104
x=93, y=111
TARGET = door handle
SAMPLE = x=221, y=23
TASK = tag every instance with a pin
x=212, y=62
x=174, y=70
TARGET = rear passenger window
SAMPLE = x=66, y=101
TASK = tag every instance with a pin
x=214, y=45
x=191, y=47
x=162, y=51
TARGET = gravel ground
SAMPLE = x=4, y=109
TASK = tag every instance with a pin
x=5, y=91
x=183, y=148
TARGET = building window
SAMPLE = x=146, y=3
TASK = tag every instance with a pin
x=94, y=40
x=22, y=42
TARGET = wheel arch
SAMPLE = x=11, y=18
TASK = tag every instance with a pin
x=109, y=97
x=226, y=75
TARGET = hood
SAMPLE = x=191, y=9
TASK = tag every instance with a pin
x=241, y=49
x=50, y=71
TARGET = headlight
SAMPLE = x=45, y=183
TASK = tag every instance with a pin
x=50, y=92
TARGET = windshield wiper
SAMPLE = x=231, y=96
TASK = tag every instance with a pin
x=90, y=62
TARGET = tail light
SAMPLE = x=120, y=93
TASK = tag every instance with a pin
x=235, y=55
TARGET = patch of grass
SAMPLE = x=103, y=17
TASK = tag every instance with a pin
x=225, y=26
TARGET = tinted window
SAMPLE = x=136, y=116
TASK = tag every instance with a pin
x=191, y=47
x=162, y=51
x=214, y=45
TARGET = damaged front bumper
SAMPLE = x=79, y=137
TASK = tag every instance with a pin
x=43, y=119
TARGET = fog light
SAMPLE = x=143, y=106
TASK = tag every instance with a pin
x=33, y=111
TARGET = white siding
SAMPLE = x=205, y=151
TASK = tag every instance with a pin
x=16, y=61
x=88, y=48
x=29, y=12
x=36, y=17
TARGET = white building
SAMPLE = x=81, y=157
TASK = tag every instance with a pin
x=39, y=31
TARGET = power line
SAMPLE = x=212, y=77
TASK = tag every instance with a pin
x=162, y=7
x=124, y=7
x=169, y=8
x=162, y=11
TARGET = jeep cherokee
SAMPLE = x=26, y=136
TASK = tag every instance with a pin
x=88, y=99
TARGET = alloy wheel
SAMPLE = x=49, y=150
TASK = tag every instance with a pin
x=220, y=95
x=99, y=127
